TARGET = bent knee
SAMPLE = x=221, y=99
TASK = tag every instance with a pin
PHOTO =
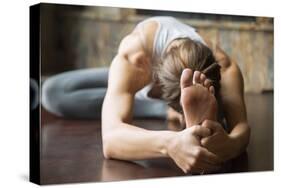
x=51, y=95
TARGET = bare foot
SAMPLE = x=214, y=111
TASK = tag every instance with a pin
x=197, y=98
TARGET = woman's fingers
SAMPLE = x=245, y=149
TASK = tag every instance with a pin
x=204, y=141
x=200, y=131
x=210, y=157
x=205, y=161
x=212, y=125
x=200, y=161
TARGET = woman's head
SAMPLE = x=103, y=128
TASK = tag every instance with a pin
x=180, y=54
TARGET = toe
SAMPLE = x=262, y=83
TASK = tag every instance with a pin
x=186, y=78
x=207, y=83
x=202, y=78
x=196, y=77
x=212, y=90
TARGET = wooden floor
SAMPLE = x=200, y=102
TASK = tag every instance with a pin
x=72, y=149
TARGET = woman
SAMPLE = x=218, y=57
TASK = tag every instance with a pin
x=164, y=59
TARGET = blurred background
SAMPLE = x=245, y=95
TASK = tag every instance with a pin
x=75, y=37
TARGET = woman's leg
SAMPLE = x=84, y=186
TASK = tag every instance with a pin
x=80, y=94
x=144, y=108
x=76, y=94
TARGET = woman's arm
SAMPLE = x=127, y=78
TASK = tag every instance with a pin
x=121, y=139
x=129, y=72
x=232, y=95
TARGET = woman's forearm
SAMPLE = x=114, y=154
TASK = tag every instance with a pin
x=127, y=142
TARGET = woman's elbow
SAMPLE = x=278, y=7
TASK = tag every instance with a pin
x=106, y=151
x=109, y=144
x=107, y=147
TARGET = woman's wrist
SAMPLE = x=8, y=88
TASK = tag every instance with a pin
x=168, y=140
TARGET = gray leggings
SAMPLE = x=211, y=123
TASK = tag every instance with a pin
x=80, y=94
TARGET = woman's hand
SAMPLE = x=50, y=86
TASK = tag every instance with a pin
x=219, y=142
x=189, y=155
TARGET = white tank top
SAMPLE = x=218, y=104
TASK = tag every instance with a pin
x=168, y=30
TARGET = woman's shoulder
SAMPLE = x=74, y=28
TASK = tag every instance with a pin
x=147, y=31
